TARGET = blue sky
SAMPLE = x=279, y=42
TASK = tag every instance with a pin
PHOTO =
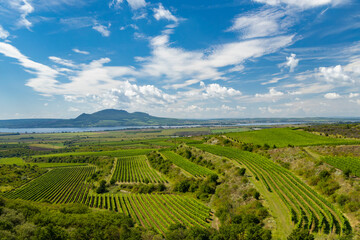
x=184, y=59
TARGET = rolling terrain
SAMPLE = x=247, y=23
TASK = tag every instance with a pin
x=246, y=181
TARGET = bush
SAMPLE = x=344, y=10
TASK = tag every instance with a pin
x=112, y=181
x=102, y=187
x=300, y=234
x=182, y=186
x=241, y=171
x=342, y=199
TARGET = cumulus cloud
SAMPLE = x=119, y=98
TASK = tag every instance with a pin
x=162, y=13
x=334, y=74
x=291, y=62
x=3, y=33
x=304, y=4
x=270, y=110
x=332, y=95
x=273, y=93
x=263, y=23
x=80, y=52
x=134, y=4
x=353, y=95
x=102, y=29
x=214, y=90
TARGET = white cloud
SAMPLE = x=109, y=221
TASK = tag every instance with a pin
x=334, y=74
x=273, y=93
x=214, y=90
x=305, y=4
x=24, y=8
x=61, y=61
x=3, y=33
x=134, y=4
x=162, y=13
x=77, y=22
x=202, y=65
x=103, y=30
x=332, y=95
x=353, y=95
x=291, y=62
x=270, y=110
x=45, y=76
x=80, y=52
x=275, y=80
x=73, y=109
x=259, y=24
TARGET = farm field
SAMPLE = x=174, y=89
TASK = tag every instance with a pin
x=307, y=208
x=188, y=166
x=195, y=183
x=136, y=169
x=344, y=163
x=19, y=161
x=283, y=137
x=116, y=153
x=61, y=185
x=156, y=211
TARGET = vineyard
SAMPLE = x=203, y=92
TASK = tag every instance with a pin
x=307, y=208
x=282, y=137
x=116, y=153
x=136, y=169
x=154, y=210
x=20, y=161
x=60, y=185
x=344, y=163
x=188, y=166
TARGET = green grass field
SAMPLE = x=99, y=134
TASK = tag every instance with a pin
x=282, y=137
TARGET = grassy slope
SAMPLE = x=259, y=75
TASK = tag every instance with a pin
x=282, y=137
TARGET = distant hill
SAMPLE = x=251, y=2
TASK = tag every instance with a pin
x=117, y=118
x=104, y=118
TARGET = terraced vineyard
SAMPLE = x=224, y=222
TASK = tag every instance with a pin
x=190, y=167
x=20, y=161
x=61, y=185
x=307, y=208
x=155, y=210
x=136, y=169
x=344, y=163
x=282, y=137
x=116, y=153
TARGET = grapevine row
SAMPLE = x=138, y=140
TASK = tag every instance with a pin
x=136, y=169
x=60, y=185
x=154, y=210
